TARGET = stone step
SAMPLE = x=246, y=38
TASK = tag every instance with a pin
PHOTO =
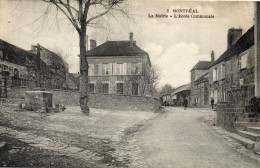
x=248, y=124
x=248, y=143
x=253, y=129
x=248, y=135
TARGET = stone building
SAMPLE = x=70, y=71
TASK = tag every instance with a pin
x=29, y=69
x=58, y=76
x=119, y=67
x=199, y=84
x=18, y=67
x=231, y=77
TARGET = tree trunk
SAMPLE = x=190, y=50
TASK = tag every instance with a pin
x=83, y=73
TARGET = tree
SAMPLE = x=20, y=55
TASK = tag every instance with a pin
x=82, y=14
x=167, y=89
x=146, y=78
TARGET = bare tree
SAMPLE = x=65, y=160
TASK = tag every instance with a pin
x=167, y=89
x=82, y=14
x=146, y=78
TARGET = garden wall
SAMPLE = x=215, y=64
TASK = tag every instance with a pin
x=102, y=101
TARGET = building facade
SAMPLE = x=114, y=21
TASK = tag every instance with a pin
x=58, y=70
x=119, y=67
x=231, y=77
x=199, y=82
x=22, y=68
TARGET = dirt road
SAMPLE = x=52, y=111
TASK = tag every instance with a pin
x=178, y=139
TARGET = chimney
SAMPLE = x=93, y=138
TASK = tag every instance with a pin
x=131, y=39
x=32, y=47
x=212, y=56
x=233, y=36
x=93, y=44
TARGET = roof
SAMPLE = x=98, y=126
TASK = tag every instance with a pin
x=181, y=88
x=244, y=43
x=75, y=78
x=18, y=55
x=201, y=65
x=201, y=78
x=116, y=48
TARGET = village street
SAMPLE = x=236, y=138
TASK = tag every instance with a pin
x=180, y=139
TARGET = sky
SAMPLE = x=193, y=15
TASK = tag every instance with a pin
x=174, y=45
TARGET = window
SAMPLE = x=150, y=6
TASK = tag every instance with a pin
x=91, y=70
x=104, y=88
x=136, y=67
x=105, y=69
x=4, y=68
x=16, y=73
x=215, y=74
x=134, y=89
x=120, y=88
x=243, y=60
x=120, y=69
x=1, y=55
x=91, y=88
x=223, y=72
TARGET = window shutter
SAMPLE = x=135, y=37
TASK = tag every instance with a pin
x=125, y=68
x=110, y=68
x=100, y=69
x=139, y=67
x=129, y=68
x=114, y=69
x=95, y=69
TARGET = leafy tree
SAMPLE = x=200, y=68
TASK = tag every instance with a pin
x=82, y=14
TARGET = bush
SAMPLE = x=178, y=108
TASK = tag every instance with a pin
x=253, y=106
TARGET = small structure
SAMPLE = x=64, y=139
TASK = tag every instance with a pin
x=38, y=101
x=180, y=93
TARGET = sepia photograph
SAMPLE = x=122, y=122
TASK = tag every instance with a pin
x=130, y=83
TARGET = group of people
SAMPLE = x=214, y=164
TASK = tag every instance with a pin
x=185, y=103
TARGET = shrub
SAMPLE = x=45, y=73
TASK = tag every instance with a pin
x=253, y=106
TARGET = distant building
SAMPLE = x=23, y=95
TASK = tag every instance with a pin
x=180, y=94
x=199, y=83
x=119, y=67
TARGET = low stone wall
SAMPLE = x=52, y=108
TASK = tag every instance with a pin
x=228, y=114
x=102, y=101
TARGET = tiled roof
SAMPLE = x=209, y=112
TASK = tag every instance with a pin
x=18, y=55
x=201, y=65
x=244, y=43
x=116, y=48
x=181, y=88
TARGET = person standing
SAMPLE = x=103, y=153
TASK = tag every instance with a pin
x=185, y=103
x=212, y=103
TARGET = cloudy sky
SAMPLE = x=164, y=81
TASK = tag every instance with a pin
x=175, y=45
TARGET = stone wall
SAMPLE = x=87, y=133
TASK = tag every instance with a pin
x=228, y=114
x=102, y=101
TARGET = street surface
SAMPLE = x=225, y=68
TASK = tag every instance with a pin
x=179, y=139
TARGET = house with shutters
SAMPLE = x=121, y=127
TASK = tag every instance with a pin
x=119, y=67
x=231, y=76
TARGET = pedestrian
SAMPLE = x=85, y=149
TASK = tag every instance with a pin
x=212, y=103
x=185, y=103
